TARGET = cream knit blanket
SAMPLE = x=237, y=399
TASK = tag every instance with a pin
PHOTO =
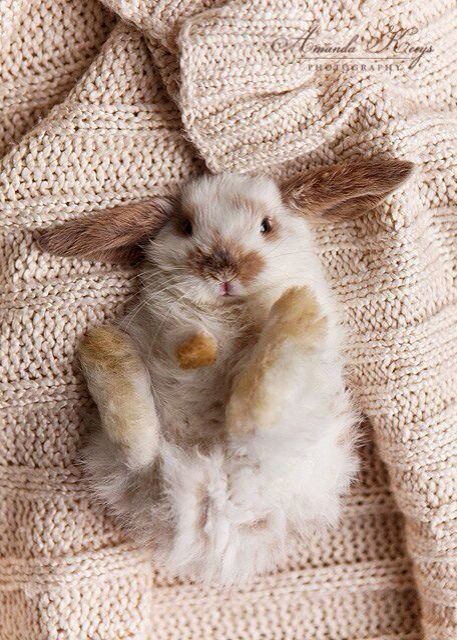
x=104, y=104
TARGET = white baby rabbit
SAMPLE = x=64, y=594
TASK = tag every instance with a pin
x=226, y=426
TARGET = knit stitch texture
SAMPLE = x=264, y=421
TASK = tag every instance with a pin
x=109, y=103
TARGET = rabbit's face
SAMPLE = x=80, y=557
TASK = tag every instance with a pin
x=230, y=237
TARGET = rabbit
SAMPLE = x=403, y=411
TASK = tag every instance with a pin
x=226, y=425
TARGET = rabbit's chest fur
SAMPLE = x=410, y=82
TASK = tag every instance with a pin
x=191, y=402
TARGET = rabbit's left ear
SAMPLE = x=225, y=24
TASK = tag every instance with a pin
x=110, y=235
x=345, y=190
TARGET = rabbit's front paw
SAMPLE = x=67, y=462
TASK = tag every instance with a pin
x=297, y=316
x=200, y=350
x=295, y=329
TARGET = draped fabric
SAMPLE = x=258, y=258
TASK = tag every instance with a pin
x=109, y=103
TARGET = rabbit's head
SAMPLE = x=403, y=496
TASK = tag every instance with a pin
x=227, y=236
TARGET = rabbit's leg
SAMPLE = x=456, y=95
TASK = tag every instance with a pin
x=120, y=385
x=294, y=332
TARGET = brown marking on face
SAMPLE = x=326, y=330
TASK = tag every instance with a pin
x=227, y=260
x=251, y=264
x=220, y=261
x=183, y=216
x=198, y=351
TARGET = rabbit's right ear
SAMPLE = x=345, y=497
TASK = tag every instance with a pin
x=111, y=235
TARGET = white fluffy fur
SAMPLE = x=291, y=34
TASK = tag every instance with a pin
x=214, y=505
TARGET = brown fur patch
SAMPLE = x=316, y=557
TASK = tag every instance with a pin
x=251, y=264
x=114, y=235
x=183, y=213
x=250, y=403
x=346, y=189
x=297, y=314
x=226, y=261
x=108, y=348
x=219, y=261
x=112, y=367
x=198, y=351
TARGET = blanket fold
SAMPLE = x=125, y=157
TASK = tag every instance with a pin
x=137, y=96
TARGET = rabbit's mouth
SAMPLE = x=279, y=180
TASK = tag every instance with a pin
x=225, y=288
x=229, y=288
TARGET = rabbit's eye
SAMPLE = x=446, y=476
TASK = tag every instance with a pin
x=186, y=227
x=266, y=226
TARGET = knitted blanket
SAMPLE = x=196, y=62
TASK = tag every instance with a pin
x=102, y=104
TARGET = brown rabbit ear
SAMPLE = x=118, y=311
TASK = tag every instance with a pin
x=111, y=235
x=344, y=190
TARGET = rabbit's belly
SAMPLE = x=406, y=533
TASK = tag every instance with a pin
x=193, y=409
x=191, y=402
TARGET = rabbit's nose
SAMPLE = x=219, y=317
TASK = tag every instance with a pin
x=225, y=288
x=222, y=259
x=219, y=263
